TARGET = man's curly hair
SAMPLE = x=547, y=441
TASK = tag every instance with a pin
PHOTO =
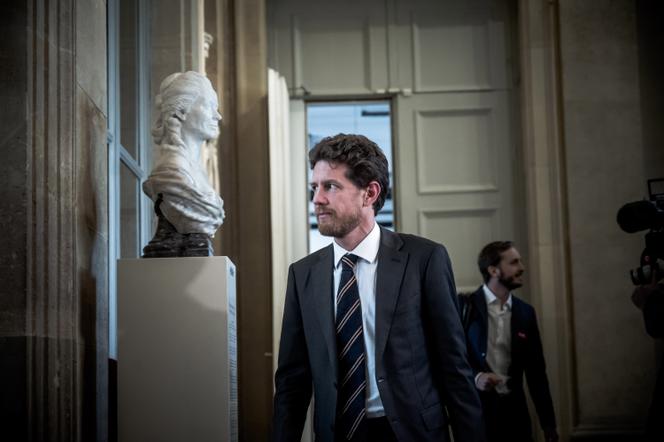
x=365, y=160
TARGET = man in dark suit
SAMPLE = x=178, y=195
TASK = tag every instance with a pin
x=503, y=344
x=371, y=323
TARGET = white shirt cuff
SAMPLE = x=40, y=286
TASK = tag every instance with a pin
x=477, y=376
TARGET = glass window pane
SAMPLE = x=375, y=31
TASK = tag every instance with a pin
x=127, y=74
x=129, y=194
x=371, y=119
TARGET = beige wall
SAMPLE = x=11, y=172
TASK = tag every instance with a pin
x=591, y=97
x=605, y=165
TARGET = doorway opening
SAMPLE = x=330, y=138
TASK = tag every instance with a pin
x=373, y=119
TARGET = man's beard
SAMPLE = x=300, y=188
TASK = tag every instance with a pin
x=338, y=227
x=510, y=283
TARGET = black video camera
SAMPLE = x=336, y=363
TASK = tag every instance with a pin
x=647, y=214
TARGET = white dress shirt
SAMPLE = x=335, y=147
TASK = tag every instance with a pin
x=365, y=272
x=499, y=340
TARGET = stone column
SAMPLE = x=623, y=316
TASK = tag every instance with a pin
x=53, y=245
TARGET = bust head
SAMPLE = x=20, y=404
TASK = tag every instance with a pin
x=187, y=116
x=186, y=111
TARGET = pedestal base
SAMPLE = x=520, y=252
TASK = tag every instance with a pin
x=177, y=350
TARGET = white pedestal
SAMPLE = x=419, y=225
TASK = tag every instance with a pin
x=177, y=350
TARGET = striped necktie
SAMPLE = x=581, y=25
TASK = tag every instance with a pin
x=352, y=383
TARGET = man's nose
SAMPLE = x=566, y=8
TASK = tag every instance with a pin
x=318, y=197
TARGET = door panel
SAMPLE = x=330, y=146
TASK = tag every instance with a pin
x=456, y=160
x=452, y=45
x=455, y=166
x=331, y=48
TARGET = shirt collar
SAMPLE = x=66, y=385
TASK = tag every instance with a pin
x=490, y=297
x=367, y=249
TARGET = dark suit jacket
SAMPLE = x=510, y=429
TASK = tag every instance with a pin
x=421, y=362
x=653, y=312
x=527, y=357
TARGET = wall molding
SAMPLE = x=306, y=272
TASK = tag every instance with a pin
x=422, y=187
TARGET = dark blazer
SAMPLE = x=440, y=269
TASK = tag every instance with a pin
x=527, y=357
x=653, y=312
x=421, y=362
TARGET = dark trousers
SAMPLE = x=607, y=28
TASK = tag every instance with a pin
x=506, y=418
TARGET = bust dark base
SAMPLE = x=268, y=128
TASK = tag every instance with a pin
x=169, y=243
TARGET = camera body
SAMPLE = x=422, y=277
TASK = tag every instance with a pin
x=647, y=215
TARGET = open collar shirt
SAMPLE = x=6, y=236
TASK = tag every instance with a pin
x=499, y=342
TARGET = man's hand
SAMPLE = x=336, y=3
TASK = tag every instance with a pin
x=487, y=381
x=550, y=435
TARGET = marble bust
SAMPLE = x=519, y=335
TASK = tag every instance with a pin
x=189, y=209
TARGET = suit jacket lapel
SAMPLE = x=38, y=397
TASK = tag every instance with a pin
x=516, y=323
x=479, y=302
x=391, y=266
x=320, y=292
x=480, y=305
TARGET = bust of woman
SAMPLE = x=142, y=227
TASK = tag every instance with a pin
x=187, y=116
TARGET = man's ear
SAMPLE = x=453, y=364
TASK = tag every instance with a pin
x=372, y=194
x=494, y=271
